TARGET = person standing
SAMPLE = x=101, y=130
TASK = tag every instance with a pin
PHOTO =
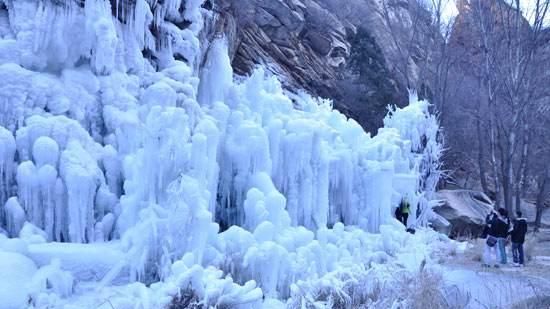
x=398, y=214
x=402, y=211
x=502, y=225
x=490, y=247
x=518, y=238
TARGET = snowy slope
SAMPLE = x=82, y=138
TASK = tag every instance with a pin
x=237, y=189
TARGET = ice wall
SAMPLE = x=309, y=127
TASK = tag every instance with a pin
x=105, y=135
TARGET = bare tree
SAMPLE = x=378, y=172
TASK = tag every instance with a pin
x=443, y=60
x=540, y=169
x=542, y=196
x=511, y=78
x=420, y=41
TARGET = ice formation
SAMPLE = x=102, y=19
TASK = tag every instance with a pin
x=239, y=189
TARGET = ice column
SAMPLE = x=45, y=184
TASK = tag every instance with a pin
x=7, y=153
x=15, y=216
x=82, y=177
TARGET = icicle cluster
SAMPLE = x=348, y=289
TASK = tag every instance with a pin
x=195, y=176
x=416, y=124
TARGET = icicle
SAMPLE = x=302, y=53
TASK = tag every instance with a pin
x=47, y=176
x=82, y=177
x=60, y=230
x=140, y=21
x=15, y=216
x=7, y=153
x=29, y=191
x=217, y=74
x=113, y=170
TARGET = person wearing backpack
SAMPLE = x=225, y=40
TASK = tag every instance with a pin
x=490, y=247
x=485, y=231
x=518, y=238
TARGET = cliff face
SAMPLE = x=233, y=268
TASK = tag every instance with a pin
x=307, y=43
x=301, y=41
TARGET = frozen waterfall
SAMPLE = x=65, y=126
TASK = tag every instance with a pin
x=197, y=179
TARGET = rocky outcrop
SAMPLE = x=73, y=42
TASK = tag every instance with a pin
x=465, y=210
x=299, y=40
x=306, y=43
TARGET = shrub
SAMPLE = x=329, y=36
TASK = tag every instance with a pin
x=186, y=299
x=426, y=290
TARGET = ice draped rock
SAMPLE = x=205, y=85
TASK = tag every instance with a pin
x=306, y=42
x=465, y=210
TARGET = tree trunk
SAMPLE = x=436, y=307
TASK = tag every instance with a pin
x=481, y=154
x=509, y=162
x=494, y=162
x=522, y=173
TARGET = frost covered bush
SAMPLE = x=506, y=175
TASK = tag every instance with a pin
x=375, y=289
x=422, y=290
x=186, y=299
x=353, y=289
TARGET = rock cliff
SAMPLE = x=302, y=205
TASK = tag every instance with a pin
x=307, y=43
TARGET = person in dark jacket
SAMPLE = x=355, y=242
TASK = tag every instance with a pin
x=518, y=238
x=405, y=207
x=502, y=227
x=485, y=231
x=402, y=211
x=397, y=214
x=490, y=247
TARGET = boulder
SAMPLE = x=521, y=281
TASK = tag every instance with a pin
x=465, y=210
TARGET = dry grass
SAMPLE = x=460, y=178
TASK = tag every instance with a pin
x=513, y=291
x=423, y=289
x=426, y=290
x=537, y=302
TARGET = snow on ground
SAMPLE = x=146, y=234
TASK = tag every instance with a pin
x=85, y=262
x=490, y=289
x=506, y=286
x=16, y=272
